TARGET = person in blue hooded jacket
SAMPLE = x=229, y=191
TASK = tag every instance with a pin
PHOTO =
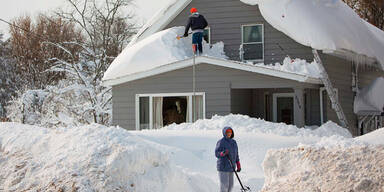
x=227, y=146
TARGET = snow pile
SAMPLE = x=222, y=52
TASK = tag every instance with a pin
x=332, y=164
x=321, y=169
x=371, y=98
x=299, y=66
x=244, y=123
x=88, y=158
x=156, y=50
x=328, y=25
x=373, y=138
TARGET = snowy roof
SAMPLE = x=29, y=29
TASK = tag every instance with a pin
x=370, y=100
x=328, y=25
x=259, y=69
x=160, y=19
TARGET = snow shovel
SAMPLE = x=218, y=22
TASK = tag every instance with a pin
x=243, y=188
x=179, y=37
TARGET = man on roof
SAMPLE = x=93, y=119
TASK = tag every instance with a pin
x=197, y=23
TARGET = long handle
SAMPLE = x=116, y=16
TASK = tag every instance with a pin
x=233, y=168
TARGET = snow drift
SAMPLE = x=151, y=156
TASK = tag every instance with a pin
x=244, y=123
x=156, y=50
x=332, y=164
x=88, y=158
x=297, y=65
x=176, y=158
x=328, y=25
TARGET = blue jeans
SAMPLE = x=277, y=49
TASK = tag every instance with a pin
x=197, y=39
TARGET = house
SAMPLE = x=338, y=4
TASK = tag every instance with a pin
x=164, y=94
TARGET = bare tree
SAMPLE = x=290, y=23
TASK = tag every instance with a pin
x=106, y=31
x=370, y=10
x=34, y=55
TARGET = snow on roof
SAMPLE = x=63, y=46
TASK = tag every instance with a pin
x=328, y=25
x=156, y=50
x=370, y=98
x=162, y=52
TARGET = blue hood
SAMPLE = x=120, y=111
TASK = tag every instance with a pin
x=225, y=129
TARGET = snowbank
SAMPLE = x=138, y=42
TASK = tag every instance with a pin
x=320, y=169
x=156, y=50
x=328, y=25
x=243, y=123
x=370, y=98
x=332, y=164
x=373, y=138
x=89, y=158
x=297, y=65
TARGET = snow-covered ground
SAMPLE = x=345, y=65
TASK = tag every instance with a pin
x=175, y=158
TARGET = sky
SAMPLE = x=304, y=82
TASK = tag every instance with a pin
x=14, y=8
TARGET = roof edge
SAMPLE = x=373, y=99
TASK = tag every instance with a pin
x=214, y=61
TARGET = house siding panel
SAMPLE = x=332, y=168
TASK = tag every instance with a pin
x=225, y=18
x=339, y=71
x=215, y=81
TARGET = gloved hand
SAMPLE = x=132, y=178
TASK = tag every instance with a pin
x=238, y=166
x=224, y=153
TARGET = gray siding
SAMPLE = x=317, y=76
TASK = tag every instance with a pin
x=241, y=101
x=225, y=18
x=367, y=75
x=339, y=71
x=215, y=81
x=312, y=116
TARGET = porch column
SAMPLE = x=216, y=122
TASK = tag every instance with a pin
x=298, y=107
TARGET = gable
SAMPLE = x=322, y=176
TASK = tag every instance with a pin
x=215, y=62
x=234, y=11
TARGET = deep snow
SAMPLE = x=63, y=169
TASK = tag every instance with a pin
x=163, y=48
x=156, y=50
x=176, y=158
x=329, y=25
x=332, y=164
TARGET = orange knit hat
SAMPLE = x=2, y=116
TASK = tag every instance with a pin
x=193, y=10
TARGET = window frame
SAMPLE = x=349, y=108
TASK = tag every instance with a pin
x=262, y=41
x=188, y=94
x=274, y=103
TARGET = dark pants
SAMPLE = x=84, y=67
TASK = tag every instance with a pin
x=197, y=39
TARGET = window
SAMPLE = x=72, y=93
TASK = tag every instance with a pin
x=154, y=111
x=283, y=108
x=207, y=35
x=253, y=42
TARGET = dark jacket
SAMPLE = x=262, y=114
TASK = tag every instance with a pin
x=195, y=22
x=223, y=144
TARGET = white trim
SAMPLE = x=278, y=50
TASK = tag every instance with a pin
x=187, y=94
x=150, y=112
x=262, y=41
x=214, y=61
x=137, y=112
x=277, y=95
